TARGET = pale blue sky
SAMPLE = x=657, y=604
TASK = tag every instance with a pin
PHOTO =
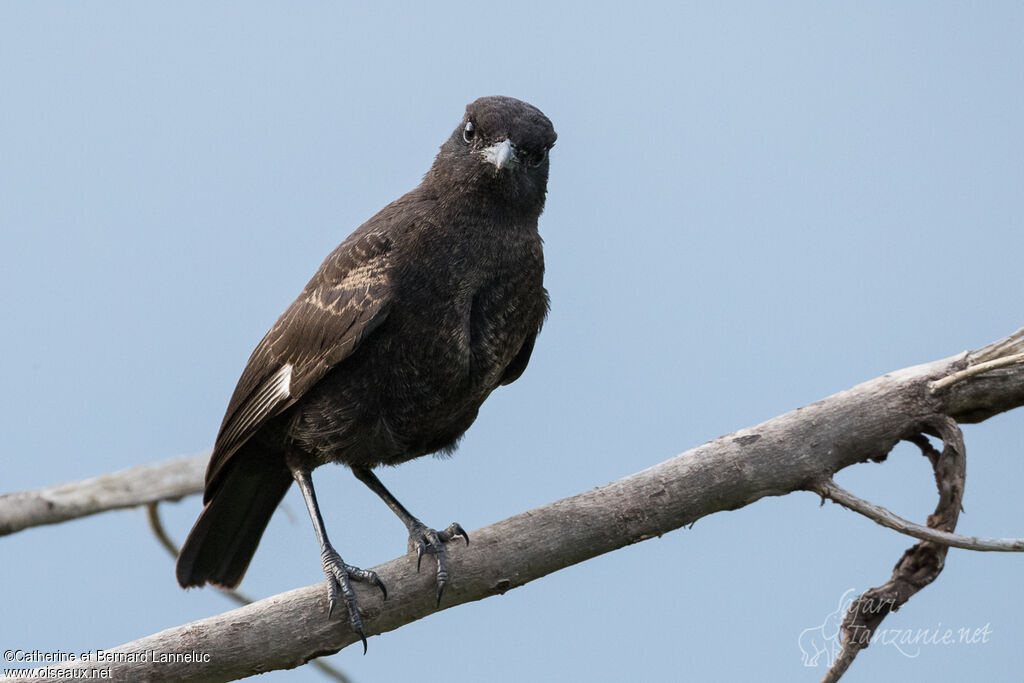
x=751, y=206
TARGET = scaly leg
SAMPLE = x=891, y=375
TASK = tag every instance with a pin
x=338, y=573
x=425, y=539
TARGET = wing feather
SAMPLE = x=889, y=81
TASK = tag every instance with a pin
x=346, y=300
x=273, y=392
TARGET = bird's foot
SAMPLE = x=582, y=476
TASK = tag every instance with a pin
x=339, y=578
x=430, y=541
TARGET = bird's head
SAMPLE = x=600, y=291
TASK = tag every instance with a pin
x=500, y=147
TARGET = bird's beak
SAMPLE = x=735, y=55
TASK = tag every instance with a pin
x=501, y=154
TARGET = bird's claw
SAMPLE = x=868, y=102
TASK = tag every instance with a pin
x=454, y=530
x=339, y=577
x=428, y=540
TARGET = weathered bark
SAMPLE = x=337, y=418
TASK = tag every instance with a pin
x=130, y=488
x=919, y=565
x=795, y=451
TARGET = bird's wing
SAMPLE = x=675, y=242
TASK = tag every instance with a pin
x=517, y=365
x=515, y=369
x=345, y=301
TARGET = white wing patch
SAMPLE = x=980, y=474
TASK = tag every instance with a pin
x=272, y=393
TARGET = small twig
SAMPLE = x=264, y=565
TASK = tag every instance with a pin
x=1011, y=344
x=157, y=526
x=948, y=381
x=837, y=494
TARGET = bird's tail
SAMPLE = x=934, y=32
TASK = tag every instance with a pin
x=222, y=542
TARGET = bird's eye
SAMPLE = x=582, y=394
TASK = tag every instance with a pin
x=468, y=133
x=538, y=159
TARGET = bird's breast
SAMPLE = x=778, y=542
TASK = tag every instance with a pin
x=417, y=383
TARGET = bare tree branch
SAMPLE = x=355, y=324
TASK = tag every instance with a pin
x=129, y=488
x=795, y=451
x=834, y=492
x=921, y=564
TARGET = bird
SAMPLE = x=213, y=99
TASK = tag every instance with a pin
x=389, y=351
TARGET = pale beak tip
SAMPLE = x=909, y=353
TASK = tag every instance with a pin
x=501, y=154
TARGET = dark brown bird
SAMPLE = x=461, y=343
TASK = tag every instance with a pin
x=389, y=351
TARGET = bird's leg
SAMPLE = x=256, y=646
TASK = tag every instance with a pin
x=425, y=539
x=339, y=575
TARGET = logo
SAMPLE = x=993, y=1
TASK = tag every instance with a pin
x=820, y=645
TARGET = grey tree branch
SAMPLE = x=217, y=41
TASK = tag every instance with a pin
x=795, y=451
x=920, y=565
x=837, y=494
x=129, y=488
